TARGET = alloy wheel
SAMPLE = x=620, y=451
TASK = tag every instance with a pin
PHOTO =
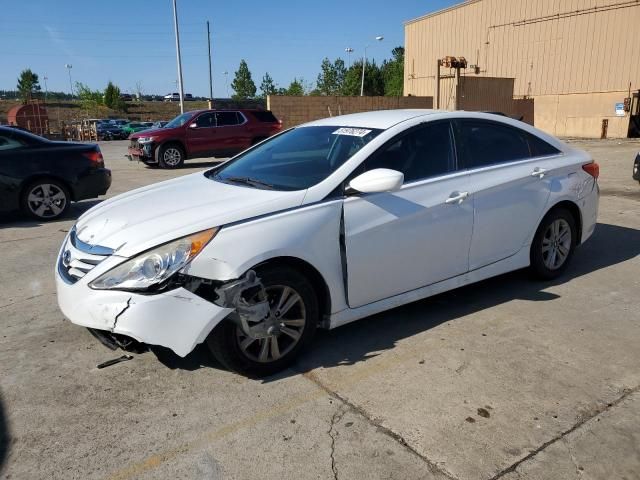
x=46, y=200
x=556, y=244
x=285, y=323
x=172, y=156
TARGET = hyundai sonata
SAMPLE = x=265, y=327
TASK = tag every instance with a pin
x=323, y=224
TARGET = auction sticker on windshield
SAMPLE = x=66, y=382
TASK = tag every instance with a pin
x=354, y=132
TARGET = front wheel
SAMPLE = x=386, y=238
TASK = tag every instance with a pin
x=553, y=244
x=170, y=156
x=292, y=322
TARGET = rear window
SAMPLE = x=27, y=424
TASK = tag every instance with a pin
x=540, y=148
x=264, y=116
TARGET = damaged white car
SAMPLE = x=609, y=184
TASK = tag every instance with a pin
x=324, y=224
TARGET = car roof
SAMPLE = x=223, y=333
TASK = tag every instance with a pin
x=382, y=119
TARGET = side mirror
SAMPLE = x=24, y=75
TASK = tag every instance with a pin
x=193, y=125
x=378, y=180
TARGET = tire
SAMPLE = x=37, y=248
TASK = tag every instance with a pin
x=553, y=244
x=170, y=156
x=226, y=341
x=45, y=199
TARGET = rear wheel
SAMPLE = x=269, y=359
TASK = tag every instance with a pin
x=553, y=244
x=170, y=156
x=292, y=323
x=45, y=199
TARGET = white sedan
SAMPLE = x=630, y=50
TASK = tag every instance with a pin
x=326, y=223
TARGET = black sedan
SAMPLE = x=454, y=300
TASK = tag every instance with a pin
x=42, y=177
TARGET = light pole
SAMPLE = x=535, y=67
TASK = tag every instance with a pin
x=179, y=60
x=364, y=62
x=349, y=51
x=68, y=66
x=226, y=82
x=46, y=90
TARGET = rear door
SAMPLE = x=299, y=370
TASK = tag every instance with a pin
x=510, y=179
x=232, y=135
x=399, y=241
x=14, y=167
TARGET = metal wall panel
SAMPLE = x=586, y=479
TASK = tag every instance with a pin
x=549, y=47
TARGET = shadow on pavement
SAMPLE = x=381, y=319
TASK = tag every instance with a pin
x=20, y=220
x=359, y=341
x=4, y=435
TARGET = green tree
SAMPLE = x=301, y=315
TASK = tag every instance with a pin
x=268, y=86
x=112, y=98
x=393, y=73
x=28, y=84
x=373, y=81
x=296, y=88
x=89, y=99
x=242, y=83
x=331, y=77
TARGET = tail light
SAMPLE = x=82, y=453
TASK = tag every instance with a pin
x=592, y=169
x=95, y=156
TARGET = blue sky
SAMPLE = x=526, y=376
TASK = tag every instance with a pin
x=132, y=41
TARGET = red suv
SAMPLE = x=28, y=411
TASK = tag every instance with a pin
x=202, y=133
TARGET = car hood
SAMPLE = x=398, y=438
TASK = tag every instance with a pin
x=151, y=131
x=141, y=219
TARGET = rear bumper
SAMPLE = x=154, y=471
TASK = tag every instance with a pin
x=94, y=183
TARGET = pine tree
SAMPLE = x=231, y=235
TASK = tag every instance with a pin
x=28, y=84
x=242, y=83
x=268, y=86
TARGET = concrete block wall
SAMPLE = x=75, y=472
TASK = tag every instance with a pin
x=296, y=110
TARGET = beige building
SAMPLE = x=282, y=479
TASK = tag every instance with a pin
x=577, y=59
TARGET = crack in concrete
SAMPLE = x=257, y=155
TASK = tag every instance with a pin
x=584, y=419
x=115, y=321
x=337, y=416
x=433, y=466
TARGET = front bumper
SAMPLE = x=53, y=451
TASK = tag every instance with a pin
x=177, y=319
x=141, y=152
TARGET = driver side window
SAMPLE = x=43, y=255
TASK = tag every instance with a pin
x=425, y=151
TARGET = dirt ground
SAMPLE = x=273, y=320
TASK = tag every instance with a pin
x=506, y=379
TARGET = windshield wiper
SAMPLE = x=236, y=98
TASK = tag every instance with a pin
x=248, y=181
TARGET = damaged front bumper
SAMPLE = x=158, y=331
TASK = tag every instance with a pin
x=177, y=319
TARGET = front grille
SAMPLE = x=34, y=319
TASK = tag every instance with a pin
x=79, y=258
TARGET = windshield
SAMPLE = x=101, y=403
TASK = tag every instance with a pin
x=296, y=159
x=179, y=120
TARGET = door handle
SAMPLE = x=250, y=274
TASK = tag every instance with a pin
x=539, y=172
x=456, y=197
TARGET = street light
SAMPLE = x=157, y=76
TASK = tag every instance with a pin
x=46, y=90
x=379, y=38
x=226, y=82
x=349, y=51
x=68, y=66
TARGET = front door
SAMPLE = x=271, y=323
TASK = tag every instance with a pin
x=201, y=137
x=400, y=241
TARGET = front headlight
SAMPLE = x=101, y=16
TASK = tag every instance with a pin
x=145, y=139
x=154, y=266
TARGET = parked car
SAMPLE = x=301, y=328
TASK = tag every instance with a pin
x=636, y=168
x=202, y=133
x=326, y=223
x=188, y=97
x=133, y=127
x=172, y=97
x=160, y=124
x=119, y=121
x=126, y=97
x=42, y=177
x=110, y=131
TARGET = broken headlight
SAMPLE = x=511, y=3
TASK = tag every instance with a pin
x=156, y=265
